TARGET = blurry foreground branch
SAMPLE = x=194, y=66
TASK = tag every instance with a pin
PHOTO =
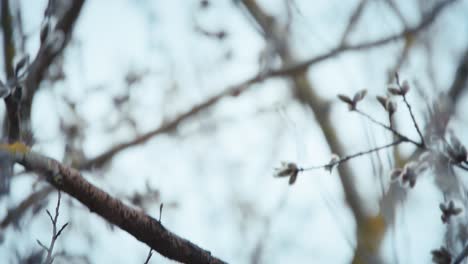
x=141, y=226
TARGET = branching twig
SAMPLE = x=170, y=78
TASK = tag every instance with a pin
x=425, y=22
x=55, y=232
x=389, y=128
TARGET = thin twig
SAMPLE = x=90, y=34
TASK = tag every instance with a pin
x=150, y=254
x=410, y=111
x=55, y=232
x=389, y=128
x=362, y=153
x=425, y=22
x=353, y=21
x=462, y=255
x=461, y=166
x=160, y=211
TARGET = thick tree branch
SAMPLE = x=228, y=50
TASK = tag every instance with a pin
x=138, y=224
x=12, y=121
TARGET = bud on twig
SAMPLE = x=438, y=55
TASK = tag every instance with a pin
x=352, y=103
x=332, y=163
x=448, y=210
x=288, y=169
x=441, y=256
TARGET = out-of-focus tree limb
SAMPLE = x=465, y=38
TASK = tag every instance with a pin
x=19, y=113
x=166, y=127
x=44, y=58
x=426, y=21
x=143, y=227
x=460, y=80
x=17, y=212
x=17, y=123
x=235, y=90
x=353, y=21
x=12, y=120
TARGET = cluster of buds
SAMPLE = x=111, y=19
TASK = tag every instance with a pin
x=407, y=174
x=288, y=169
x=441, y=256
x=393, y=89
x=352, y=103
x=397, y=89
x=448, y=210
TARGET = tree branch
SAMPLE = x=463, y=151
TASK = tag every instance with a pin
x=12, y=121
x=143, y=227
x=460, y=80
x=16, y=213
x=44, y=58
x=423, y=24
x=102, y=159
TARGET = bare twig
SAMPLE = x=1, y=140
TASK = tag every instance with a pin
x=389, y=128
x=353, y=21
x=425, y=22
x=160, y=211
x=358, y=154
x=150, y=254
x=55, y=232
x=459, y=259
x=410, y=111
